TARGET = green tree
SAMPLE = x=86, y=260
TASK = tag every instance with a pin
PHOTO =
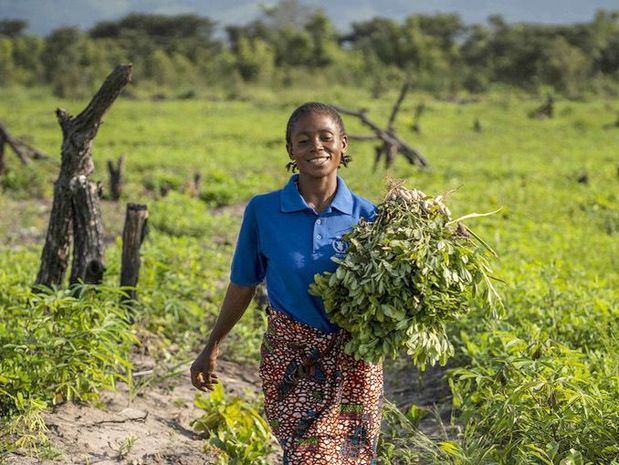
x=564, y=66
x=12, y=27
x=27, y=55
x=323, y=39
x=379, y=37
x=185, y=70
x=254, y=59
x=7, y=65
x=159, y=68
x=65, y=64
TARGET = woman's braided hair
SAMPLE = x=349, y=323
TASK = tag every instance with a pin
x=315, y=107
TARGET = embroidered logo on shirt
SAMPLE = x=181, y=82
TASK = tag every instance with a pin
x=339, y=245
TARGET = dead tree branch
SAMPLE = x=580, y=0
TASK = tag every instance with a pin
x=73, y=188
x=396, y=107
x=24, y=151
x=389, y=138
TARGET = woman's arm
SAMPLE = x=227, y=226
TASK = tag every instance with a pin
x=234, y=305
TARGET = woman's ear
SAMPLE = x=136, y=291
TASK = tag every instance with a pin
x=344, y=143
x=289, y=150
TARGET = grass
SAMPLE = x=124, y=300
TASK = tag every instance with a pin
x=556, y=237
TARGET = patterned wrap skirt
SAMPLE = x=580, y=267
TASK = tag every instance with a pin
x=324, y=407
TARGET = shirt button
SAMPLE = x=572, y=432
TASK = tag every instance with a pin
x=318, y=221
x=318, y=236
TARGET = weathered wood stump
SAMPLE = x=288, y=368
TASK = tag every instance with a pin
x=88, y=248
x=75, y=196
x=194, y=186
x=545, y=110
x=134, y=231
x=117, y=175
x=419, y=110
x=2, y=162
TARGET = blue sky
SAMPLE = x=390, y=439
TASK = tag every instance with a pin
x=45, y=15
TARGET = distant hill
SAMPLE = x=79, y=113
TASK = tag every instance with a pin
x=45, y=15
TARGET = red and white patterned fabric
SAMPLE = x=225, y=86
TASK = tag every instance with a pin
x=324, y=407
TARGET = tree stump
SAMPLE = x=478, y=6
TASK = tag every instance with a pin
x=75, y=199
x=2, y=162
x=134, y=231
x=195, y=185
x=117, y=175
x=419, y=109
x=88, y=249
x=546, y=110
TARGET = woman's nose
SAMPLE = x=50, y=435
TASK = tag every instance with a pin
x=317, y=143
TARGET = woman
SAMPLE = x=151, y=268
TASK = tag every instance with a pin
x=323, y=406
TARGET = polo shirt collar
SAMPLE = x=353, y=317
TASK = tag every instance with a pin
x=292, y=201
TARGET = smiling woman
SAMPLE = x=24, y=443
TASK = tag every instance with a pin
x=324, y=407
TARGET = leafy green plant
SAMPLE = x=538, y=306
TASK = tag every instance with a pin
x=234, y=428
x=55, y=347
x=534, y=401
x=401, y=442
x=406, y=274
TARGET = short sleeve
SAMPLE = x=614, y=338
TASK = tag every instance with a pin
x=371, y=215
x=248, y=264
x=368, y=211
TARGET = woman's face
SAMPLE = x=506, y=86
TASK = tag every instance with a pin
x=317, y=145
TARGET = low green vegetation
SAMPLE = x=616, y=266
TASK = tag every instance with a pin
x=234, y=428
x=538, y=386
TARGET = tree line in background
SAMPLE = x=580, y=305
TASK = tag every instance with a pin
x=292, y=44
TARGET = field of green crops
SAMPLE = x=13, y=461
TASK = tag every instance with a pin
x=540, y=386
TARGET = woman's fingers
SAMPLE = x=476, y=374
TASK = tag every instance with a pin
x=204, y=381
x=202, y=372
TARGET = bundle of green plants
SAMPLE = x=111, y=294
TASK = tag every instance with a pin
x=406, y=275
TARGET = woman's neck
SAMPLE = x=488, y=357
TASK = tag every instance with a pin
x=317, y=192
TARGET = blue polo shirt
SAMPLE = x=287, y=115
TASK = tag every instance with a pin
x=285, y=241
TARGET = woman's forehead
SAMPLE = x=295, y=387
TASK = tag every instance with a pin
x=315, y=122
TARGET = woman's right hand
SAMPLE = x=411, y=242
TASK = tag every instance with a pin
x=203, y=368
x=235, y=302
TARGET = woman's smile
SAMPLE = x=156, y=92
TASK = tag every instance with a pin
x=319, y=160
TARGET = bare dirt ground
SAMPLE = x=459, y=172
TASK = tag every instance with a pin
x=154, y=426
x=150, y=428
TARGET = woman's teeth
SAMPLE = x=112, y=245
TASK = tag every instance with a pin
x=318, y=160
